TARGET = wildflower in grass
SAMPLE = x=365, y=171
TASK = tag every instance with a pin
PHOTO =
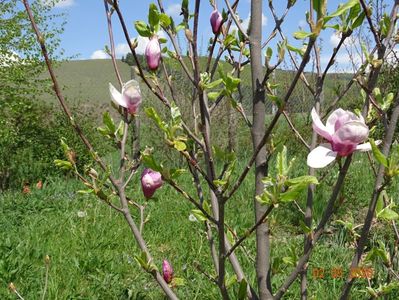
x=345, y=133
x=153, y=53
x=150, y=182
x=130, y=97
x=216, y=21
x=167, y=271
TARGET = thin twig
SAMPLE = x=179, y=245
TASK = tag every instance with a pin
x=298, y=135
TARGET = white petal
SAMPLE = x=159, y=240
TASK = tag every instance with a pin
x=318, y=126
x=366, y=146
x=116, y=96
x=321, y=156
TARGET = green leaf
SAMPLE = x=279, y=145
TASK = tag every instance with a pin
x=281, y=162
x=164, y=20
x=264, y=198
x=212, y=96
x=142, y=260
x=152, y=114
x=276, y=100
x=177, y=281
x=300, y=35
x=199, y=215
x=153, y=15
x=380, y=203
x=142, y=29
x=179, y=145
x=229, y=40
x=381, y=158
x=219, y=182
x=305, y=229
x=230, y=280
x=292, y=193
x=175, y=113
x=242, y=290
x=341, y=9
x=358, y=21
x=377, y=95
x=213, y=84
x=63, y=164
x=150, y=162
x=388, y=214
x=109, y=122
x=269, y=53
x=299, y=51
x=302, y=180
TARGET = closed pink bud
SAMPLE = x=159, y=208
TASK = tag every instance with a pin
x=167, y=271
x=150, y=182
x=216, y=21
x=153, y=53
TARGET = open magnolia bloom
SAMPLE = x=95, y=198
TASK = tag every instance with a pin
x=130, y=97
x=345, y=133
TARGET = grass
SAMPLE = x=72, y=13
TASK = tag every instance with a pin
x=92, y=257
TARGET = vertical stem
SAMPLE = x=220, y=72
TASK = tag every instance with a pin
x=259, y=113
x=136, y=129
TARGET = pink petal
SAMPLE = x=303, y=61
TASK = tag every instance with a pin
x=153, y=53
x=353, y=132
x=216, y=21
x=117, y=97
x=319, y=127
x=321, y=156
x=132, y=95
x=332, y=119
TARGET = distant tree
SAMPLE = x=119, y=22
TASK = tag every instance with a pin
x=21, y=65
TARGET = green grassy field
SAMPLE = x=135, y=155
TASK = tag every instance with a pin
x=91, y=248
x=92, y=256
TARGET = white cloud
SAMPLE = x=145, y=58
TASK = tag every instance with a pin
x=65, y=3
x=245, y=22
x=121, y=49
x=335, y=38
x=58, y=3
x=173, y=10
x=99, y=54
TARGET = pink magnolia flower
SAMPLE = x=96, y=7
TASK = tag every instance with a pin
x=130, y=97
x=153, y=53
x=344, y=132
x=216, y=21
x=167, y=271
x=150, y=182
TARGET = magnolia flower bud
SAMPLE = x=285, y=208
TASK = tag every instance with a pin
x=167, y=271
x=150, y=182
x=153, y=53
x=216, y=21
x=130, y=97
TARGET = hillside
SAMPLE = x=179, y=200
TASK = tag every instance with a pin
x=86, y=82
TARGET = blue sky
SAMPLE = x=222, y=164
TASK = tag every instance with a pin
x=86, y=29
